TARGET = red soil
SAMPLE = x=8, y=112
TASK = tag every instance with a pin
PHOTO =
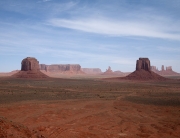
x=91, y=118
x=9, y=129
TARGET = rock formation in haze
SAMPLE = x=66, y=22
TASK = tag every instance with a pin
x=163, y=72
x=30, y=69
x=143, y=63
x=108, y=71
x=154, y=69
x=91, y=70
x=169, y=68
x=61, y=68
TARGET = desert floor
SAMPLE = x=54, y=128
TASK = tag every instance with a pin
x=89, y=108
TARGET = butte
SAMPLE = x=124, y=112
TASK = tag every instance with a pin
x=143, y=71
x=30, y=69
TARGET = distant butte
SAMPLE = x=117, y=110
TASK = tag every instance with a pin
x=30, y=69
x=142, y=73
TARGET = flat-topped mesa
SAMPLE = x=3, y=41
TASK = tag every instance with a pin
x=60, y=67
x=30, y=64
x=143, y=63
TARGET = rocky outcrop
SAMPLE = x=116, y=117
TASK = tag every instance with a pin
x=30, y=69
x=62, y=68
x=143, y=63
x=91, y=70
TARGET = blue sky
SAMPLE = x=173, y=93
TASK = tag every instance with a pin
x=92, y=33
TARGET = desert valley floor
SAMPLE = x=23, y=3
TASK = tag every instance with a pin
x=89, y=108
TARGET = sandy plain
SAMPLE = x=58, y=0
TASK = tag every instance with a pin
x=89, y=107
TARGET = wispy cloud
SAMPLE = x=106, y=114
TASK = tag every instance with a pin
x=116, y=28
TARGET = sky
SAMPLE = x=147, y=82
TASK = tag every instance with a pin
x=92, y=33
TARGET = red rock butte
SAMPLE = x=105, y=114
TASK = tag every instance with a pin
x=30, y=69
x=143, y=63
x=143, y=71
x=29, y=63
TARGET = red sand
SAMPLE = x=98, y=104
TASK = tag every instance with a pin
x=92, y=119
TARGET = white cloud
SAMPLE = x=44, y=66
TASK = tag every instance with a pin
x=116, y=28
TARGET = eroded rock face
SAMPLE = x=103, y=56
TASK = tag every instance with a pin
x=143, y=63
x=30, y=64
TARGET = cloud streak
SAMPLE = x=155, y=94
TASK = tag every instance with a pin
x=116, y=28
